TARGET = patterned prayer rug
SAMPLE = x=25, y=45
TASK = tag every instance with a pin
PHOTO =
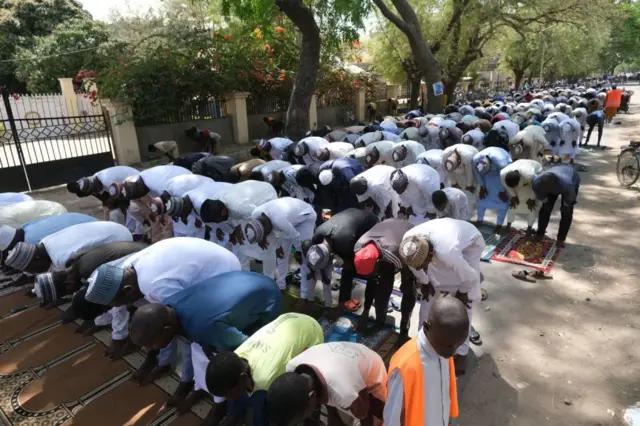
x=516, y=249
x=50, y=375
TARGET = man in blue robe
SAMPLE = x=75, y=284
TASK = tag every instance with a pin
x=218, y=314
x=487, y=165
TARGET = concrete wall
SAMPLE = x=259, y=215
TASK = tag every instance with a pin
x=258, y=128
x=329, y=116
x=176, y=132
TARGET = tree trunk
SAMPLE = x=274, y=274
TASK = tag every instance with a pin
x=450, y=90
x=415, y=93
x=518, y=76
x=426, y=61
x=298, y=113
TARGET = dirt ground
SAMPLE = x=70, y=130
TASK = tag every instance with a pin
x=565, y=351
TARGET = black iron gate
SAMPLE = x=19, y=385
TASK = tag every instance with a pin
x=38, y=152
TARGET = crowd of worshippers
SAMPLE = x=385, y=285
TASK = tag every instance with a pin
x=169, y=264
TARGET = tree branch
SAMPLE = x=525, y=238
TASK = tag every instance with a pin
x=395, y=19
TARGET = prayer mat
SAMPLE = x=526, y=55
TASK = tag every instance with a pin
x=381, y=341
x=50, y=375
x=516, y=249
x=291, y=297
x=491, y=241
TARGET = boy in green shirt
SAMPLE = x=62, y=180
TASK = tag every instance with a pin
x=245, y=375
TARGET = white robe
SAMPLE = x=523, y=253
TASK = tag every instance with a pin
x=414, y=149
x=156, y=178
x=63, y=244
x=293, y=222
x=458, y=205
x=315, y=144
x=379, y=189
x=528, y=170
x=455, y=266
x=423, y=182
x=385, y=149
x=433, y=158
x=278, y=146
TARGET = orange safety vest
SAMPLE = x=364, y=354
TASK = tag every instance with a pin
x=407, y=361
x=614, y=99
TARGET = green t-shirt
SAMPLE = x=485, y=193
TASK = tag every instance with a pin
x=270, y=349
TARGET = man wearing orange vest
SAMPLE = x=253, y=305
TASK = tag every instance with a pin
x=612, y=103
x=422, y=388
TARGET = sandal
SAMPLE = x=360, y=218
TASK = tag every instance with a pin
x=474, y=337
x=523, y=275
x=352, y=305
x=542, y=276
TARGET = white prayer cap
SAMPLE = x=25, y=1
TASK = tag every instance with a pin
x=326, y=176
x=7, y=234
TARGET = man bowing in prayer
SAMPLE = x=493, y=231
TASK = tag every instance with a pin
x=548, y=186
x=487, y=165
x=516, y=179
x=444, y=255
x=284, y=223
x=336, y=176
x=422, y=387
x=156, y=273
x=343, y=376
x=54, y=250
x=415, y=184
x=218, y=314
x=335, y=237
x=377, y=257
x=451, y=203
x=245, y=375
x=374, y=191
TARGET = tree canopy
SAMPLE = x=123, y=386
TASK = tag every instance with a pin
x=40, y=65
x=22, y=22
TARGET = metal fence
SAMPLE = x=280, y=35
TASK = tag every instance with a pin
x=198, y=110
x=37, y=152
x=261, y=105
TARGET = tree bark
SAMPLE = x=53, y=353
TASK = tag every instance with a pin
x=426, y=61
x=297, y=123
x=415, y=93
x=449, y=90
x=518, y=75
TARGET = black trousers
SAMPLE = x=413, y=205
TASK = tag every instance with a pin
x=380, y=287
x=600, y=125
x=346, y=280
x=566, y=216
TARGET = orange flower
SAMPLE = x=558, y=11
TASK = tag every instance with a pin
x=267, y=47
x=356, y=43
x=283, y=75
x=279, y=29
x=217, y=55
x=356, y=84
x=227, y=37
x=358, y=60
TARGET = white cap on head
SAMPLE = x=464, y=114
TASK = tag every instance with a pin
x=326, y=176
x=7, y=234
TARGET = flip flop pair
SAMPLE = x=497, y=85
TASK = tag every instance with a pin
x=352, y=305
x=524, y=275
